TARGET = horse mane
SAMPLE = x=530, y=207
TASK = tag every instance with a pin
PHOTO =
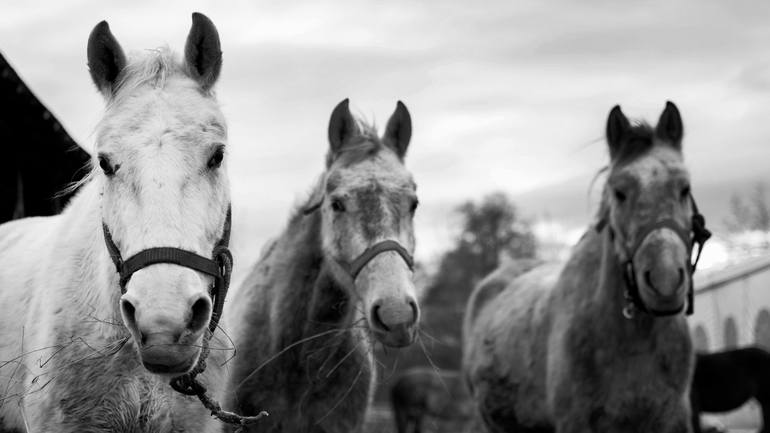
x=72, y=187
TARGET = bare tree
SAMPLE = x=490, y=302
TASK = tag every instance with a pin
x=750, y=212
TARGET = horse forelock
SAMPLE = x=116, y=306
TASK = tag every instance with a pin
x=153, y=68
x=637, y=141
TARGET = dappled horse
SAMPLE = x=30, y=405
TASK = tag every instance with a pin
x=725, y=381
x=338, y=277
x=421, y=392
x=601, y=343
x=89, y=340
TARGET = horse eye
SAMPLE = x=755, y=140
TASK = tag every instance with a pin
x=337, y=205
x=216, y=159
x=685, y=192
x=414, y=205
x=620, y=196
x=104, y=164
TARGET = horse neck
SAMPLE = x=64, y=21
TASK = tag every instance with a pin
x=94, y=283
x=314, y=293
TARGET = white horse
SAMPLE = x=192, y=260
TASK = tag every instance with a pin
x=82, y=350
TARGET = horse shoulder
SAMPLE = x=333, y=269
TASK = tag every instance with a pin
x=22, y=323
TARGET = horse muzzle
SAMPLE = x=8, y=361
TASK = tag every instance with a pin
x=394, y=322
x=160, y=354
x=663, y=274
x=167, y=343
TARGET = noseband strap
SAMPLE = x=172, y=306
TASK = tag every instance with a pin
x=370, y=253
x=377, y=249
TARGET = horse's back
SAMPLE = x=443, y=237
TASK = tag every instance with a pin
x=504, y=295
x=725, y=380
x=498, y=362
x=491, y=286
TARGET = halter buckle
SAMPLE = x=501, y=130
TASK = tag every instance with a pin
x=629, y=311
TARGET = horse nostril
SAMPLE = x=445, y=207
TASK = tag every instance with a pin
x=648, y=280
x=377, y=319
x=681, y=277
x=129, y=316
x=415, y=310
x=200, y=314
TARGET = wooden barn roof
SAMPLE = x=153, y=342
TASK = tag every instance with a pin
x=39, y=157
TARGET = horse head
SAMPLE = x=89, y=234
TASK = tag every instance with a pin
x=367, y=202
x=650, y=211
x=160, y=165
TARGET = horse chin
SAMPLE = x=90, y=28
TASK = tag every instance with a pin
x=668, y=305
x=398, y=336
x=169, y=363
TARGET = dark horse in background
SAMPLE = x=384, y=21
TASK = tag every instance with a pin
x=40, y=159
x=422, y=392
x=725, y=381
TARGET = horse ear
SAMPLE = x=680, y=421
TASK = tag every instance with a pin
x=202, y=52
x=342, y=126
x=617, y=126
x=399, y=130
x=670, y=125
x=105, y=58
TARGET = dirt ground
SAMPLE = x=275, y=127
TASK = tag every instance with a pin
x=380, y=420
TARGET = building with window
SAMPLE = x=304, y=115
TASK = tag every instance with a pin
x=732, y=309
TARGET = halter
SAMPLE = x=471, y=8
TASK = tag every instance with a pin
x=697, y=235
x=356, y=266
x=219, y=267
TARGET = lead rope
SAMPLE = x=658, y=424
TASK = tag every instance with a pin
x=188, y=384
x=220, y=268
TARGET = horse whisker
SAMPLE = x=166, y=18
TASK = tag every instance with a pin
x=433, y=365
x=343, y=359
x=344, y=395
x=281, y=352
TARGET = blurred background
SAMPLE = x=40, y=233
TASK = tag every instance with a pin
x=508, y=100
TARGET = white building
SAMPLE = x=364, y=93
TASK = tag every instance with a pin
x=732, y=309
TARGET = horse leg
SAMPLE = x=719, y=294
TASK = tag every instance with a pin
x=402, y=421
x=417, y=424
x=765, y=406
x=695, y=416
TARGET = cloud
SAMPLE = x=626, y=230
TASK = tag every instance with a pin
x=509, y=96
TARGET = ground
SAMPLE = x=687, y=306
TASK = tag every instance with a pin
x=380, y=420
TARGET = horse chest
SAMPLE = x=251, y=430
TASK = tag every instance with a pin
x=112, y=396
x=327, y=385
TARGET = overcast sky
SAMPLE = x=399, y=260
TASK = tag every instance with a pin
x=509, y=95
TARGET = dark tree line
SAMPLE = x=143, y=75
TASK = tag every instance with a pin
x=749, y=212
x=491, y=229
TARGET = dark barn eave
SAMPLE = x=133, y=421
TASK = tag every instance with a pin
x=40, y=158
